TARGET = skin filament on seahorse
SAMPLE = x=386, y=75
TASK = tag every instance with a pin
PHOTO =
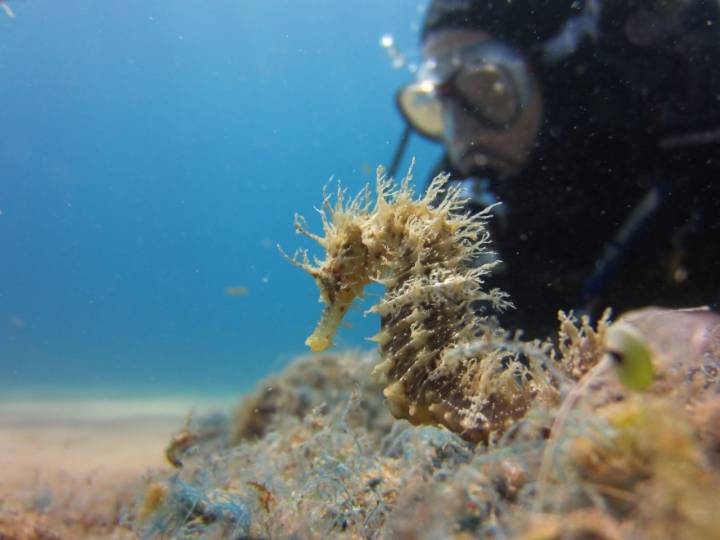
x=427, y=253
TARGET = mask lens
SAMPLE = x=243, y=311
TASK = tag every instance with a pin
x=490, y=92
x=421, y=108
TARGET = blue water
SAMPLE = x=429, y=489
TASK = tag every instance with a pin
x=153, y=153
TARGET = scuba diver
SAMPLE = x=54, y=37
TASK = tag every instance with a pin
x=596, y=124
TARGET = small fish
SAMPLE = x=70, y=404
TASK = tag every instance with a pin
x=236, y=291
x=179, y=444
x=366, y=169
x=630, y=355
x=264, y=494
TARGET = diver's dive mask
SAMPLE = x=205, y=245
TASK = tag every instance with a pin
x=490, y=80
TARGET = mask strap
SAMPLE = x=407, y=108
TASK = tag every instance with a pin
x=399, y=150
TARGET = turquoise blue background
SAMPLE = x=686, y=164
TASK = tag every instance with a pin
x=153, y=153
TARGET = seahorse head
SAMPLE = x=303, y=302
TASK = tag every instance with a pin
x=342, y=275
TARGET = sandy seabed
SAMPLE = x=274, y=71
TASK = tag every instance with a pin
x=72, y=468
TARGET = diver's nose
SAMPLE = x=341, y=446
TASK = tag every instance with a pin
x=462, y=133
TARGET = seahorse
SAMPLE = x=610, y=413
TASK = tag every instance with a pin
x=442, y=357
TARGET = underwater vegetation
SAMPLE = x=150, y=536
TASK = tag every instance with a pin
x=458, y=429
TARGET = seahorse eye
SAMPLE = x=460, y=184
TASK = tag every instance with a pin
x=615, y=356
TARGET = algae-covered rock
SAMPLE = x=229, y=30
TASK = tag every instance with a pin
x=330, y=461
x=308, y=383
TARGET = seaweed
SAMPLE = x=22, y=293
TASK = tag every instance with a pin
x=180, y=509
x=620, y=469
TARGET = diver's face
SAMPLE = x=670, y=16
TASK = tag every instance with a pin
x=472, y=142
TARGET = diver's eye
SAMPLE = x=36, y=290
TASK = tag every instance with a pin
x=615, y=356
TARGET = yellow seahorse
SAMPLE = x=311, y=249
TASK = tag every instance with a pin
x=425, y=253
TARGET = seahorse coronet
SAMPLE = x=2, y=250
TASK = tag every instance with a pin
x=432, y=257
